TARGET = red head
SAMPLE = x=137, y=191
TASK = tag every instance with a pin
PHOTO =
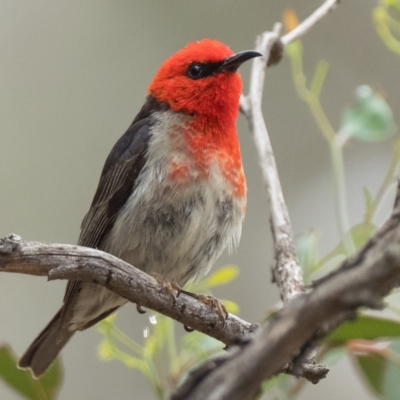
x=202, y=79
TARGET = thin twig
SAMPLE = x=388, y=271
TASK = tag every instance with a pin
x=309, y=22
x=286, y=271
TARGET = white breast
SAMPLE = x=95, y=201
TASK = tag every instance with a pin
x=175, y=229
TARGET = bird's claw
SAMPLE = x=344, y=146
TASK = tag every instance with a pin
x=140, y=309
x=213, y=303
x=188, y=328
x=172, y=288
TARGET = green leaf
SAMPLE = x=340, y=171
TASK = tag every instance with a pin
x=231, y=306
x=391, y=383
x=373, y=368
x=307, y=252
x=197, y=342
x=269, y=384
x=319, y=78
x=330, y=264
x=365, y=327
x=397, y=149
x=370, y=119
x=22, y=382
x=369, y=204
x=360, y=234
x=387, y=26
x=52, y=379
x=295, y=49
x=334, y=355
x=382, y=370
x=222, y=276
x=105, y=350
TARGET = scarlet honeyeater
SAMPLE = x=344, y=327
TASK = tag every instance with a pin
x=172, y=193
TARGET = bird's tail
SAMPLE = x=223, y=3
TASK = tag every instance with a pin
x=44, y=349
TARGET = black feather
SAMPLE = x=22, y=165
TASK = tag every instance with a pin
x=117, y=182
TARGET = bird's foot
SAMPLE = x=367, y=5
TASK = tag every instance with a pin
x=213, y=303
x=172, y=288
x=140, y=309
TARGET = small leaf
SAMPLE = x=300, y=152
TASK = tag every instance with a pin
x=331, y=262
x=23, y=383
x=105, y=350
x=223, y=276
x=198, y=346
x=318, y=80
x=365, y=327
x=391, y=387
x=388, y=28
x=307, y=252
x=162, y=330
x=380, y=365
x=52, y=379
x=369, y=204
x=334, y=355
x=295, y=50
x=370, y=119
x=231, y=306
x=220, y=277
x=373, y=367
x=290, y=19
x=269, y=384
x=397, y=149
x=151, y=346
x=360, y=234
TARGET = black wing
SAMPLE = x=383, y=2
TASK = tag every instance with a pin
x=119, y=176
x=117, y=182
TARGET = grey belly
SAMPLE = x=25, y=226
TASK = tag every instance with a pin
x=179, y=241
x=177, y=238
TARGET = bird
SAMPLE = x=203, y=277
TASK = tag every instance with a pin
x=172, y=193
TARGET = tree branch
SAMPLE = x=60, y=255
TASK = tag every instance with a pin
x=61, y=261
x=64, y=261
x=361, y=281
x=286, y=271
x=309, y=22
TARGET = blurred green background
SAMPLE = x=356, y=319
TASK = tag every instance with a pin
x=73, y=75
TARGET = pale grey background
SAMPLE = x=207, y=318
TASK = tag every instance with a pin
x=73, y=74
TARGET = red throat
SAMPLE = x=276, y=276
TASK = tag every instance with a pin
x=217, y=143
x=213, y=101
x=208, y=146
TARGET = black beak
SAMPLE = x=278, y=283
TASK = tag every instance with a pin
x=232, y=63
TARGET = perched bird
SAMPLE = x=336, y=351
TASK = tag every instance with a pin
x=172, y=193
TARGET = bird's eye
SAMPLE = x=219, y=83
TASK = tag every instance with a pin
x=195, y=71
